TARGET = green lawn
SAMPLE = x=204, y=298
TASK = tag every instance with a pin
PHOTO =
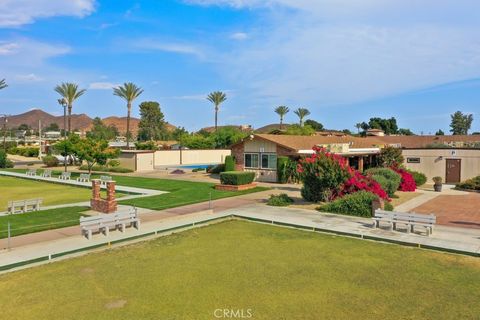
x=40, y=220
x=180, y=192
x=276, y=272
x=52, y=193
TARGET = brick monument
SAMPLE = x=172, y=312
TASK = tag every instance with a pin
x=97, y=203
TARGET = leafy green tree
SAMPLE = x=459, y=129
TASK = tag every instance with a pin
x=196, y=141
x=281, y=111
x=178, y=133
x=302, y=113
x=389, y=126
x=3, y=84
x=217, y=98
x=297, y=130
x=440, y=132
x=317, y=126
x=100, y=131
x=52, y=127
x=227, y=136
x=405, y=132
x=94, y=151
x=460, y=123
x=70, y=93
x=391, y=157
x=152, y=122
x=129, y=92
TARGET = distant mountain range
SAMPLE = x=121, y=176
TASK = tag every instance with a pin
x=80, y=122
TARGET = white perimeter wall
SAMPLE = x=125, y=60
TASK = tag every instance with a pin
x=172, y=157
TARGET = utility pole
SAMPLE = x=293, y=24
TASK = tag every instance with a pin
x=5, y=120
x=63, y=103
x=40, y=138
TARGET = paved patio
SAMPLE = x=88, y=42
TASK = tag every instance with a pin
x=454, y=210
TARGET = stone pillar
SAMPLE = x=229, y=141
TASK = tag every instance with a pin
x=360, y=164
x=377, y=204
x=110, y=190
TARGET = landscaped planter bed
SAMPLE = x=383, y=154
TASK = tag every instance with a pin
x=230, y=187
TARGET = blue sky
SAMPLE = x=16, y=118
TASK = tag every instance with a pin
x=344, y=60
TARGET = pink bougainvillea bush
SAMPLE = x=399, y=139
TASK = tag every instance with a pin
x=408, y=182
x=327, y=176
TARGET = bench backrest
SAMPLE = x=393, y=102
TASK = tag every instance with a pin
x=406, y=216
x=66, y=174
x=425, y=218
x=47, y=171
x=84, y=176
x=90, y=220
x=105, y=178
x=31, y=171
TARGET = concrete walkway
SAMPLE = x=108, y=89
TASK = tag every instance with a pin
x=443, y=237
x=426, y=196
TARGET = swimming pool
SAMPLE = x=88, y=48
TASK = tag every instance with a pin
x=195, y=166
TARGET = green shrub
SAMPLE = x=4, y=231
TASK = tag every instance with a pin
x=149, y=145
x=99, y=168
x=355, y=204
x=420, y=178
x=229, y=163
x=388, y=179
x=217, y=169
x=388, y=206
x=470, y=184
x=4, y=162
x=24, y=151
x=281, y=200
x=282, y=166
x=198, y=169
x=113, y=163
x=50, y=161
x=236, y=178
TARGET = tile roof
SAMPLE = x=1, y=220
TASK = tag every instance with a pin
x=424, y=141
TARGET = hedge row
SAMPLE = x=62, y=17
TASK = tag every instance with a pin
x=236, y=178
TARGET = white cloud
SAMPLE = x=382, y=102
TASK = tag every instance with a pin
x=8, y=48
x=31, y=77
x=239, y=36
x=327, y=52
x=14, y=13
x=173, y=47
x=102, y=85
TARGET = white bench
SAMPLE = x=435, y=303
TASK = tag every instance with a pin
x=65, y=176
x=21, y=206
x=31, y=172
x=410, y=220
x=47, y=173
x=104, y=222
x=84, y=177
x=104, y=180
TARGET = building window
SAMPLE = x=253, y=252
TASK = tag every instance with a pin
x=269, y=161
x=413, y=160
x=251, y=160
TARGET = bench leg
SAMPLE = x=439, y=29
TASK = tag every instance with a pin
x=122, y=227
x=89, y=234
x=393, y=226
x=412, y=228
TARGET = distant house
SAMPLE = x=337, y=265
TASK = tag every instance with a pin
x=375, y=132
x=259, y=152
x=454, y=158
x=52, y=135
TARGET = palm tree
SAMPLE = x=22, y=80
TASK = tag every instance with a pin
x=3, y=84
x=302, y=113
x=281, y=111
x=69, y=92
x=358, y=126
x=129, y=92
x=217, y=98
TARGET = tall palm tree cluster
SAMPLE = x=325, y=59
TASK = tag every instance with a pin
x=300, y=112
x=70, y=92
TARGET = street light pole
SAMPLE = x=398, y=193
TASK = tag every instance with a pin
x=5, y=120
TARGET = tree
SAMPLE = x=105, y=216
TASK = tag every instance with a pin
x=359, y=126
x=100, y=131
x=317, y=126
x=461, y=123
x=225, y=137
x=297, y=130
x=281, y=111
x=129, y=92
x=3, y=84
x=52, y=127
x=94, y=151
x=405, y=132
x=69, y=92
x=217, y=98
x=152, y=123
x=196, y=141
x=391, y=157
x=178, y=133
x=302, y=113
x=389, y=126
x=440, y=132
